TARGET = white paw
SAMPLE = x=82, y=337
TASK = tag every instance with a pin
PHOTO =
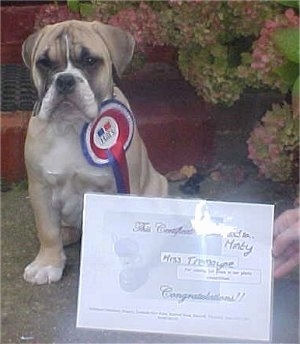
x=37, y=273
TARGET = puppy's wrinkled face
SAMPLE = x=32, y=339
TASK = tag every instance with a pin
x=71, y=66
x=67, y=72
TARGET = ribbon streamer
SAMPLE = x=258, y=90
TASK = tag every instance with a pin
x=118, y=162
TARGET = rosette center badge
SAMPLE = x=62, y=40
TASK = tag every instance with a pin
x=106, y=133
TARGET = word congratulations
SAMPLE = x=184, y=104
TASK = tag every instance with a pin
x=167, y=292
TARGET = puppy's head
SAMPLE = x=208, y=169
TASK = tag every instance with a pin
x=71, y=66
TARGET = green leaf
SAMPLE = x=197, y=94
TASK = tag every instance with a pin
x=289, y=3
x=296, y=88
x=288, y=72
x=86, y=9
x=73, y=5
x=287, y=41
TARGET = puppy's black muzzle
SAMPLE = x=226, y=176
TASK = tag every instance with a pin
x=65, y=83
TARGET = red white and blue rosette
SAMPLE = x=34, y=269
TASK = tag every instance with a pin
x=105, y=140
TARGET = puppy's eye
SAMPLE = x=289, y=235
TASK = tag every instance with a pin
x=91, y=61
x=44, y=62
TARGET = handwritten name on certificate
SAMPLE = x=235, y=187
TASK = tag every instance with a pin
x=176, y=266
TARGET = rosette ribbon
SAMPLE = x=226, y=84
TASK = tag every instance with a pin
x=104, y=141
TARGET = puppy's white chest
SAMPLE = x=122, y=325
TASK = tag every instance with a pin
x=69, y=176
x=63, y=157
x=64, y=160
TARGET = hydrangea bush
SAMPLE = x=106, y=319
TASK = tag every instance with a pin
x=213, y=38
x=274, y=144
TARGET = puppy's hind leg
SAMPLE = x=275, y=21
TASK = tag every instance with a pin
x=70, y=235
x=48, y=265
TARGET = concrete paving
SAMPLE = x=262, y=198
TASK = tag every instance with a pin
x=47, y=314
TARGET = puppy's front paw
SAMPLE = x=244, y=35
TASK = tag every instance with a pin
x=38, y=273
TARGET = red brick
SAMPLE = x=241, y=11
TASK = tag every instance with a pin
x=173, y=121
x=17, y=22
x=174, y=137
x=13, y=133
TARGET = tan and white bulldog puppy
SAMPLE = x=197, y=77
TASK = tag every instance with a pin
x=72, y=67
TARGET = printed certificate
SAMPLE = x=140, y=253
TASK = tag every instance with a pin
x=176, y=266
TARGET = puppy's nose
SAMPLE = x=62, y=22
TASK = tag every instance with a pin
x=65, y=83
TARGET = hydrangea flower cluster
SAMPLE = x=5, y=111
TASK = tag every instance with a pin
x=142, y=22
x=208, y=71
x=265, y=57
x=246, y=18
x=51, y=14
x=193, y=22
x=211, y=40
x=274, y=144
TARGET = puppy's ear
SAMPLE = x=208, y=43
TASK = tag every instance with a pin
x=27, y=48
x=119, y=43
